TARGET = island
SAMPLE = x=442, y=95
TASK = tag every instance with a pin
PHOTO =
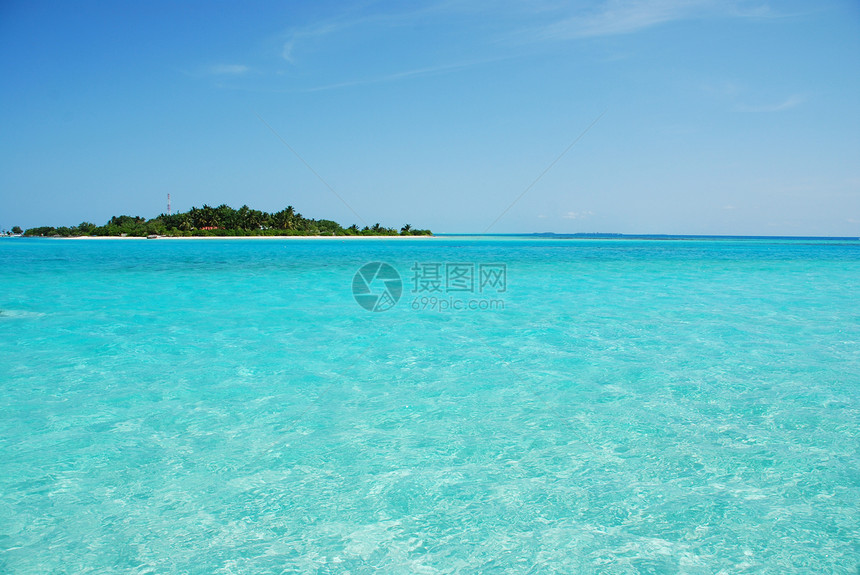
x=221, y=221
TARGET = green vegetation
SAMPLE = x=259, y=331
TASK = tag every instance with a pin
x=17, y=230
x=222, y=221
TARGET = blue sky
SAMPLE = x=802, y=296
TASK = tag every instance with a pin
x=718, y=117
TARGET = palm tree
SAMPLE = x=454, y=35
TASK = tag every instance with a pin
x=280, y=220
x=256, y=219
x=204, y=217
x=226, y=217
x=404, y=231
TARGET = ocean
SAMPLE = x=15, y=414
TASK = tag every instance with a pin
x=442, y=405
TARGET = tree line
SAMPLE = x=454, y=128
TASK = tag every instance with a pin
x=222, y=221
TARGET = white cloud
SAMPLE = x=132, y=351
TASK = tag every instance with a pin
x=787, y=104
x=577, y=215
x=736, y=93
x=616, y=17
x=287, y=51
x=304, y=34
x=620, y=17
x=402, y=75
x=729, y=89
x=530, y=22
x=228, y=69
x=373, y=21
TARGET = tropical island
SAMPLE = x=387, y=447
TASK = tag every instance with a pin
x=221, y=221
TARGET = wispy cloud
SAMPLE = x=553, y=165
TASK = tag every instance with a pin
x=723, y=88
x=738, y=96
x=789, y=103
x=379, y=20
x=510, y=24
x=616, y=17
x=298, y=36
x=227, y=70
x=287, y=50
x=577, y=215
x=625, y=17
x=402, y=75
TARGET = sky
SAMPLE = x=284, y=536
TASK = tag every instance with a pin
x=726, y=117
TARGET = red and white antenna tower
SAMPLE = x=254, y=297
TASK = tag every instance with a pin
x=168, y=204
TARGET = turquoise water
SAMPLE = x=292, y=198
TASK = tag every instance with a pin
x=625, y=406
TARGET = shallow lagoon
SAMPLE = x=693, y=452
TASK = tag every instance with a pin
x=631, y=406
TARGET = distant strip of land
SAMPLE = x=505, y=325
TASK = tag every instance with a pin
x=222, y=221
x=252, y=237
